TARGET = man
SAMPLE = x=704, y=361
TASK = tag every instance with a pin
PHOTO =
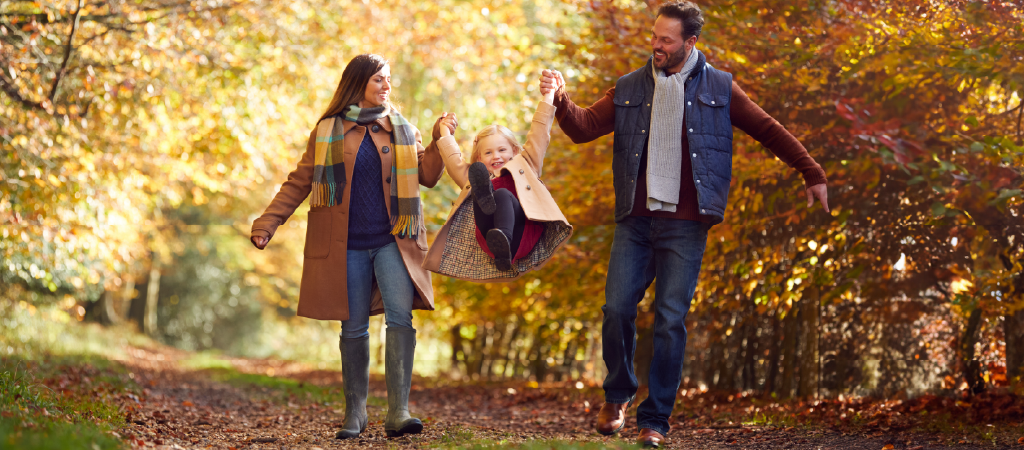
x=672, y=163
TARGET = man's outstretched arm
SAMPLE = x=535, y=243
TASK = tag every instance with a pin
x=581, y=125
x=750, y=118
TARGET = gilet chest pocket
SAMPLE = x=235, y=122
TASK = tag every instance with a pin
x=318, y=235
x=628, y=101
x=714, y=101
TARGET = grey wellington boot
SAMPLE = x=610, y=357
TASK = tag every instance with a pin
x=399, y=349
x=355, y=373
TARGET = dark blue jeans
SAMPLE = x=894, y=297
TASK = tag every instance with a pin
x=647, y=249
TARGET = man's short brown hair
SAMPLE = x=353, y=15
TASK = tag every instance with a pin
x=687, y=13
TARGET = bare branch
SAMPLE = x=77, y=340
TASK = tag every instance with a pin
x=67, y=52
x=1019, y=115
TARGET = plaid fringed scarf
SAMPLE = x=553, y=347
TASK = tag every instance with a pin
x=329, y=166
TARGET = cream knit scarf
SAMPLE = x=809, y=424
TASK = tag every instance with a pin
x=664, y=149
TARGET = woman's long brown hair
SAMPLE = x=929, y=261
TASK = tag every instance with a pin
x=352, y=86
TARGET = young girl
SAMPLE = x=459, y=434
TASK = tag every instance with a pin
x=511, y=224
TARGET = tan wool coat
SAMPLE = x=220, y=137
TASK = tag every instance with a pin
x=456, y=253
x=324, y=290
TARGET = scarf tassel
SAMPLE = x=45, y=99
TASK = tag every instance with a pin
x=404, y=226
x=324, y=194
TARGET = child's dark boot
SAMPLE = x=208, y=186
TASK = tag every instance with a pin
x=483, y=190
x=498, y=243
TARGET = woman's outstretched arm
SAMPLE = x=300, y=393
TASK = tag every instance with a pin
x=431, y=166
x=448, y=147
x=289, y=197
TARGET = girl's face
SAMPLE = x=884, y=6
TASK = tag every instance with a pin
x=377, y=89
x=495, y=152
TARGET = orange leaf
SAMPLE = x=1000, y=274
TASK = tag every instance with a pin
x=888, y=447
x=187, y=403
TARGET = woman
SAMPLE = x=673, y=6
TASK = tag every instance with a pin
x=365, y=240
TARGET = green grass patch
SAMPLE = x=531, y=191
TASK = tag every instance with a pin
x=60, y=405
x=43, y=331
x=771, y=419
x=455, y=435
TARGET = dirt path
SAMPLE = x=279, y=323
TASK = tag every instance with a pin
x=183, y=408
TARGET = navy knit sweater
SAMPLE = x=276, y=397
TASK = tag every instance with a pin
x=369, y=225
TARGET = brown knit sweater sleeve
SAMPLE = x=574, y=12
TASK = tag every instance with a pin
x=585, y=125
x=750, y=118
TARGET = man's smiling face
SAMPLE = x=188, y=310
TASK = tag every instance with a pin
x=669, y=48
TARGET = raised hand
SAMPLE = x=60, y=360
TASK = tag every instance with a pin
x=447, y=124
x=550, y=81
x=436, y=133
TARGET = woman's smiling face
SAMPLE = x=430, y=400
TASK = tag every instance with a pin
x=495, y=152
x=377, y=89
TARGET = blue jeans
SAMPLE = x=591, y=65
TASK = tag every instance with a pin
x=646, y=249
x=395, y=285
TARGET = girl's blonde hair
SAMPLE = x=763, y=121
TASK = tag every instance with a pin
x=491, y=130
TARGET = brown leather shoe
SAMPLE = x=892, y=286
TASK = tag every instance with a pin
x=612, y=418
x=650, y=438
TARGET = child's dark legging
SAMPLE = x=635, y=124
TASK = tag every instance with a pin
x=508, y=217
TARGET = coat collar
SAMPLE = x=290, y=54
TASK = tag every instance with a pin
x=384, y=122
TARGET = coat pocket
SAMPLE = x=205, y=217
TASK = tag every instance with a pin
x=318, y=235
x=421, y=238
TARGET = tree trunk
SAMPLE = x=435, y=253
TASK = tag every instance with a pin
x=725, y=372
x=594, y=360
x=149, y=324
x=789, y=343
x=809, y=347
x=511, y=353
x=1013, y=329
x=106, y=311
x=456, y=335
x=538, y=367
x=751, y=348
x=773, y=356
x=476, y=360
x=124, y=302
x=972, y=367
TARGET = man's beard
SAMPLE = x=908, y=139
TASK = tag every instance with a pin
x=673, y=59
